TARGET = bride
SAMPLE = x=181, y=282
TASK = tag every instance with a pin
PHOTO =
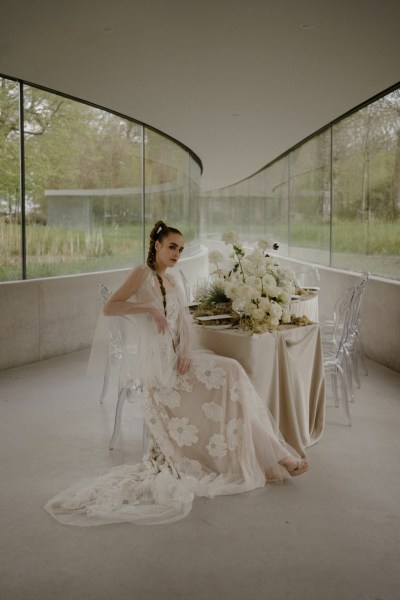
x=209, y=432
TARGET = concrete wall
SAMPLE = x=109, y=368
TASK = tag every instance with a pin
x=43, y=318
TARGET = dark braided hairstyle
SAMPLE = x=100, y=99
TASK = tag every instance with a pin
x=157, y=234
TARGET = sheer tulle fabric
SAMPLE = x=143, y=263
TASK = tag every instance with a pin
x=209, y=431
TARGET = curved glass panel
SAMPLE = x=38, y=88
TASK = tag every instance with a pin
x=277, y=209
x=85, y=176
x=333, y=200
x=310, y=204
x=166, y=181
x=10, y=195
x=366, y=189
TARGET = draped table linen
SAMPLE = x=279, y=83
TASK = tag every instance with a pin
x=287, y=370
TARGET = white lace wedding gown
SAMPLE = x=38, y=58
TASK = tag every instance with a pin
x=209, y=435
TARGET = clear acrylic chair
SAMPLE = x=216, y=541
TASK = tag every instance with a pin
x=355, y=342
x=336, y=356
x=127, y=390
x=352, y=300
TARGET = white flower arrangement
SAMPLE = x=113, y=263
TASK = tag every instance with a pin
x=260, y=290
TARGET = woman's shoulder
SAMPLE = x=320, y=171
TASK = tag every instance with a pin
x=141, y=272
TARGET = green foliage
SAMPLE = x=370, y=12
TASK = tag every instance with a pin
x=216, y=294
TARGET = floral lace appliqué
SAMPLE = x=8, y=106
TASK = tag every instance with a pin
x=234, y=433
x=168, y=397
x=183, y=433
x=213, y=411
x=183, y=383
x=190, y=467
x=235, y=396
x=212, y=377
x=217, y=445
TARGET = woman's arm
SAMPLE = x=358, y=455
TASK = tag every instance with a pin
x=118, y=304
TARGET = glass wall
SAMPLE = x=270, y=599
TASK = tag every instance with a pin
x=10, y=196
x=94, y=184
x=309, y=200
x=333, y=200
x=366, y=189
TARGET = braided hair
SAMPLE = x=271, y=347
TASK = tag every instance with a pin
x=157, y=234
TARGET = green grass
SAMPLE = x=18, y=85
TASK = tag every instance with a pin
x=52, y=251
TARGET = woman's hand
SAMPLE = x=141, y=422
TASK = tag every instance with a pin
x=183, y=363
x=160, y=319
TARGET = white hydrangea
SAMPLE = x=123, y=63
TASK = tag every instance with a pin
x=265, y=243
x=257, y=313
x=230, y=237
x=215, y=257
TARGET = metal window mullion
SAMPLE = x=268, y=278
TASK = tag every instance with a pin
x=143, y=196
x=22, y=178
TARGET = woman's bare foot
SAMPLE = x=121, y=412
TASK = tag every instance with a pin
x=294, y=467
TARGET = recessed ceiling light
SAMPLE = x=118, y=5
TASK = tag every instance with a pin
x=307, y=26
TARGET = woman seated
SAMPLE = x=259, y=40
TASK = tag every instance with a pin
x=209, y=432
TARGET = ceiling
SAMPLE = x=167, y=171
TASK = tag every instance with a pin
x=237, y=81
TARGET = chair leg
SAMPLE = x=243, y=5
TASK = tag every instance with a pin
x=345, y=395
x=106, y=380
x=118, y=414
x=354, y=366
x=348, y=374
x=335, y=389
x=361, y=353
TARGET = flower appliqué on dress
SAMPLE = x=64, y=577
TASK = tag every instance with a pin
x=190, y=467
x=212, y=377
x=183, y=433
x=183, y=383
x=235, y=396
x=217, y=445
x=213, y=411
x=168, y=397
x=234, y=433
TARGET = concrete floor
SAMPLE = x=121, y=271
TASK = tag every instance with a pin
x=332, y=534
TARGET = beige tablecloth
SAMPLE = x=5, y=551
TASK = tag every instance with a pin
x=287, y=370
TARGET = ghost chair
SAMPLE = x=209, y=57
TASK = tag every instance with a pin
x=337, y=359
x=128, y=389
